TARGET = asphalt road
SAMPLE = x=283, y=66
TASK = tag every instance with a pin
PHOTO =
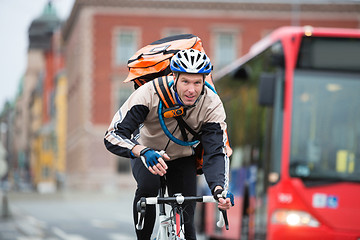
x=69, y=216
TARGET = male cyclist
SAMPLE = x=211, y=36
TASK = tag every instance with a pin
x=135, y=132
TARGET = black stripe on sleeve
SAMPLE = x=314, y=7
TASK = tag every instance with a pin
x=214, y=156
x=126, y=127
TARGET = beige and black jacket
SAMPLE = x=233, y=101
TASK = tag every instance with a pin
x=137, y=122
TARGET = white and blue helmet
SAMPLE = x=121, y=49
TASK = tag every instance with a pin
x=190, y=61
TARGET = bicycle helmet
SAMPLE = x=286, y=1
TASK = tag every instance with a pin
x=190, y=61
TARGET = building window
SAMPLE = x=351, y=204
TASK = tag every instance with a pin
x=126, y=46
x=225, y=49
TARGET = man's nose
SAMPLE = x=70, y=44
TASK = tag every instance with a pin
x=191, y=88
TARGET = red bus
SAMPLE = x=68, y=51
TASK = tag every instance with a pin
x=293, y=114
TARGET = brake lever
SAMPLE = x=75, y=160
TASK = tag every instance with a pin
x=223, y=220
x=141, y=209
x=224, y=213
x=223, y=217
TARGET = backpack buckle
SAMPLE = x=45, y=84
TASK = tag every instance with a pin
x=173, y=112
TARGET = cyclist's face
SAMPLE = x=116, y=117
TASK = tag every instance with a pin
x=189, y=87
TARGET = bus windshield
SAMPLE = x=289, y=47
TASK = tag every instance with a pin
x=325, y=140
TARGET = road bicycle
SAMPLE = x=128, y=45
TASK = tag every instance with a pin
x=171, y=223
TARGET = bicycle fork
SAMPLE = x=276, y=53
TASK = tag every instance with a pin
x=179, y=225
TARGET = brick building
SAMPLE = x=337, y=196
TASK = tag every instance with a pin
x=101, y=35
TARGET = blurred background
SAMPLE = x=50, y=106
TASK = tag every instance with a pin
x=63, y=63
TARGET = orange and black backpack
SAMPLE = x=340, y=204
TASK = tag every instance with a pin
x=153, y=60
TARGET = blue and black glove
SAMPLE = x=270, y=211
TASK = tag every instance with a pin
x=150, y=157
x=224, y=194
x=231, y=196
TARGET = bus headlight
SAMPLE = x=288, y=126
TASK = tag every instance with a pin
x=294, y=218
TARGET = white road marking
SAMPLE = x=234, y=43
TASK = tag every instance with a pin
x=28, y=238
x=34, y=238
x=118, y=236
x=36, y=221
x=104, y=224
x=63, y=235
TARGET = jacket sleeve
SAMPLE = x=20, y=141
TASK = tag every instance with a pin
x=213, y=139
x=120, y=137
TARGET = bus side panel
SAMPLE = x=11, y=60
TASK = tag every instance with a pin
x=300, y=233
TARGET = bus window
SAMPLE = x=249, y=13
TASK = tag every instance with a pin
x=325, y=138
x=324, y=53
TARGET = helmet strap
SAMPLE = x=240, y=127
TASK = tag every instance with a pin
x=176, y=75
x=203, y=88
x=178, y=100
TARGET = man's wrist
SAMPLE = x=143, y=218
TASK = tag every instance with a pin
x=217, y=187
x=137, y=149
x=142, y=152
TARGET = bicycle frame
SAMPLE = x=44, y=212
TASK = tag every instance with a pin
x=171, y=227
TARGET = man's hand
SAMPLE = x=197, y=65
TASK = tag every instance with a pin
x=154, y=161
x=225, y=199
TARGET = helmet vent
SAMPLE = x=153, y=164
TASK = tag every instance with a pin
x=192, y=60
x=198, y=57
x=176, y=65
x=186, y=56
x=183, y=65
x=200, y=66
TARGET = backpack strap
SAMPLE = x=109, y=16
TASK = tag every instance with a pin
x=161, y=85
x=162, y=88
x=183, y=125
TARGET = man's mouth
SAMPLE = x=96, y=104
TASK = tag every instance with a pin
x=190, y=98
